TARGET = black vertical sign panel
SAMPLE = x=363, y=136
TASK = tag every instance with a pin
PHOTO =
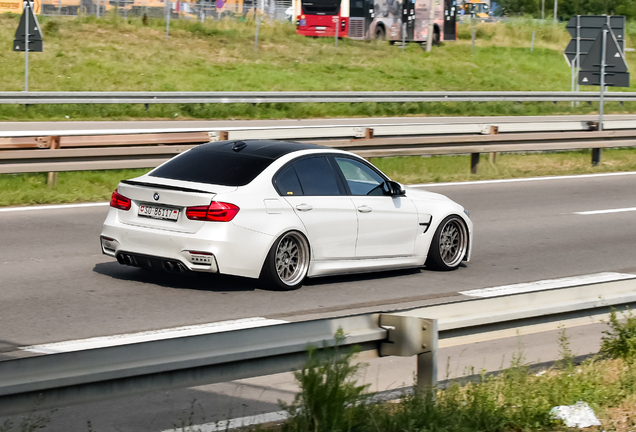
x=616, y=74
x=450, y=20
x=590, y=28
x=35, y=32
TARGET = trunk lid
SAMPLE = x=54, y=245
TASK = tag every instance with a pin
x=156, y=204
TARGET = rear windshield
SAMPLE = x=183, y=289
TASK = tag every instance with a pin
x=206, y=165
x=321, y=7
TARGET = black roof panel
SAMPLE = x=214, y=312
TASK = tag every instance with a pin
x=228, y=163
x=269, y=149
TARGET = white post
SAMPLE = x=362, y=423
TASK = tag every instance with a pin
x=573, y=64
x=168, y=13
x=532, y=42
x=542, y=10
x=600, y=108
x=26, y=45
x=555, y=11
x=431, y=26
x=577, y=58
x=258, y=24
x=98, y=1
x=403, y=35
x=596, y=152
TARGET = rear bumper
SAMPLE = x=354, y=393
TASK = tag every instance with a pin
x=218, y=247
x=171, y=266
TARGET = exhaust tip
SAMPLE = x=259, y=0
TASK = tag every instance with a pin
x=168, y=266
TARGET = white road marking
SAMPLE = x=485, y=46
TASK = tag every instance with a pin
x=235, y=423
x=53, y=207
x=529, y=179
x=595, y=212
x=148, y=336
x=547, y=284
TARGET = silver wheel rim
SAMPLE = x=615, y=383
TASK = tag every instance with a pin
x=453, y=242
x=292, y=259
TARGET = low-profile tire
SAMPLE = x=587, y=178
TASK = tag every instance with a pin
x=436, y=38
x=287, y=262
x=380, y=33
x=449, y=244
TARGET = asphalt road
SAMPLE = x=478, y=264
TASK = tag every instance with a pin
x=55, y=285
x=150, y=124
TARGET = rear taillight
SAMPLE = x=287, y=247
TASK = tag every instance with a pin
x=215, y=212
x=119, y=201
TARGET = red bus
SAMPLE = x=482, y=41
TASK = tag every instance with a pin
x=376, y=19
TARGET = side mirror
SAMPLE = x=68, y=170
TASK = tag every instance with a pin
x=393, y=189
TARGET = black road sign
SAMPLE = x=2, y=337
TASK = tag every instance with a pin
x=590, y=26
x=620, y=79
x=614, y=57
x=35, y=32
x=616, y=74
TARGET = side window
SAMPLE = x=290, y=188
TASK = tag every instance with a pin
x=287, y=183
x=361, y=179
x=316, y=177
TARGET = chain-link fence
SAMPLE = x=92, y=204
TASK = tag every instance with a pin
x=197, y=9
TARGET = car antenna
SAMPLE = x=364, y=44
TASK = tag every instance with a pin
x=238, y=146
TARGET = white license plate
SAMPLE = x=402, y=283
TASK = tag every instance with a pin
x=158, y=212
x=321, y=28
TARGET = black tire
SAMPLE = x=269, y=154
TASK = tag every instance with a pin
x=380, y=33
x=287, y=262
x=449, y=245
x=436, y=37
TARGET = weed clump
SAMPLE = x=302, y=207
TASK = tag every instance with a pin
x=620, y=340
x=515, y=399
x=51, y=27
x=329, y=399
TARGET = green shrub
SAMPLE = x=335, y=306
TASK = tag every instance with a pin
x=620, y=340
x=51, y=27
x=329, y=399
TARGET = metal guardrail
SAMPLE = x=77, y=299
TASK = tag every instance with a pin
x=54, y=151
x=35, y=98
x=53, y=380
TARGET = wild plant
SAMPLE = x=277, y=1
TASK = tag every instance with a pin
x=329, y=398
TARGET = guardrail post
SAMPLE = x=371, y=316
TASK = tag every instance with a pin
x=596, y=152
x=219, y=135
x=492, y=156
x=368, y=133
x=409, y=336
x=474, y=163
x=54, y=144
x=427, y=361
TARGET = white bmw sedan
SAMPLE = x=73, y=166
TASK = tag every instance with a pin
x=280, y=211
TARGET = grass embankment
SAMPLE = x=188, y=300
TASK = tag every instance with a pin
x=514, y=400
x=83, y=54
x=95, y=186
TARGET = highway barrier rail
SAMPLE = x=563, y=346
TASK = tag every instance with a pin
x=58, y=377
x=54, y=151
x=35, y=98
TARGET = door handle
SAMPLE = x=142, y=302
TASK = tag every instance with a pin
x=303, y=207
x=365, y=209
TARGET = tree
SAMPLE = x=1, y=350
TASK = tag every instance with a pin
x=520, y=7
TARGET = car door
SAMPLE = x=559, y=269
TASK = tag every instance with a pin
x=387, y=226
x=317, y=195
